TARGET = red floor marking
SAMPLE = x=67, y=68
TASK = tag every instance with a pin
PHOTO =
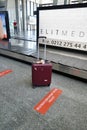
x=44, y=104
x=5, y=72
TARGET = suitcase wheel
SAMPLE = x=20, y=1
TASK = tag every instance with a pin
x=33, y=87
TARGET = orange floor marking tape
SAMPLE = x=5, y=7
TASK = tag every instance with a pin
x=5, y=72
x=43, y=106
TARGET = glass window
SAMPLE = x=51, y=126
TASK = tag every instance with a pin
x=35, y=6
x=32, y=8
x=47, y=1
x=28, y=8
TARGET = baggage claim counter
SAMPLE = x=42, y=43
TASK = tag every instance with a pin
x=66, y=31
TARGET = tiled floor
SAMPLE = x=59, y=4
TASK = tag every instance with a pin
x=26, y=35
x=18, y=98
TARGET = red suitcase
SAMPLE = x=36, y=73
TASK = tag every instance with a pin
x=41, y=72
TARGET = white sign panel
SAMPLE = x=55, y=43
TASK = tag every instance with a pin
x=64, y=27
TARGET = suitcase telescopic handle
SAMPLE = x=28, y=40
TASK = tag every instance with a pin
x=43, y=39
